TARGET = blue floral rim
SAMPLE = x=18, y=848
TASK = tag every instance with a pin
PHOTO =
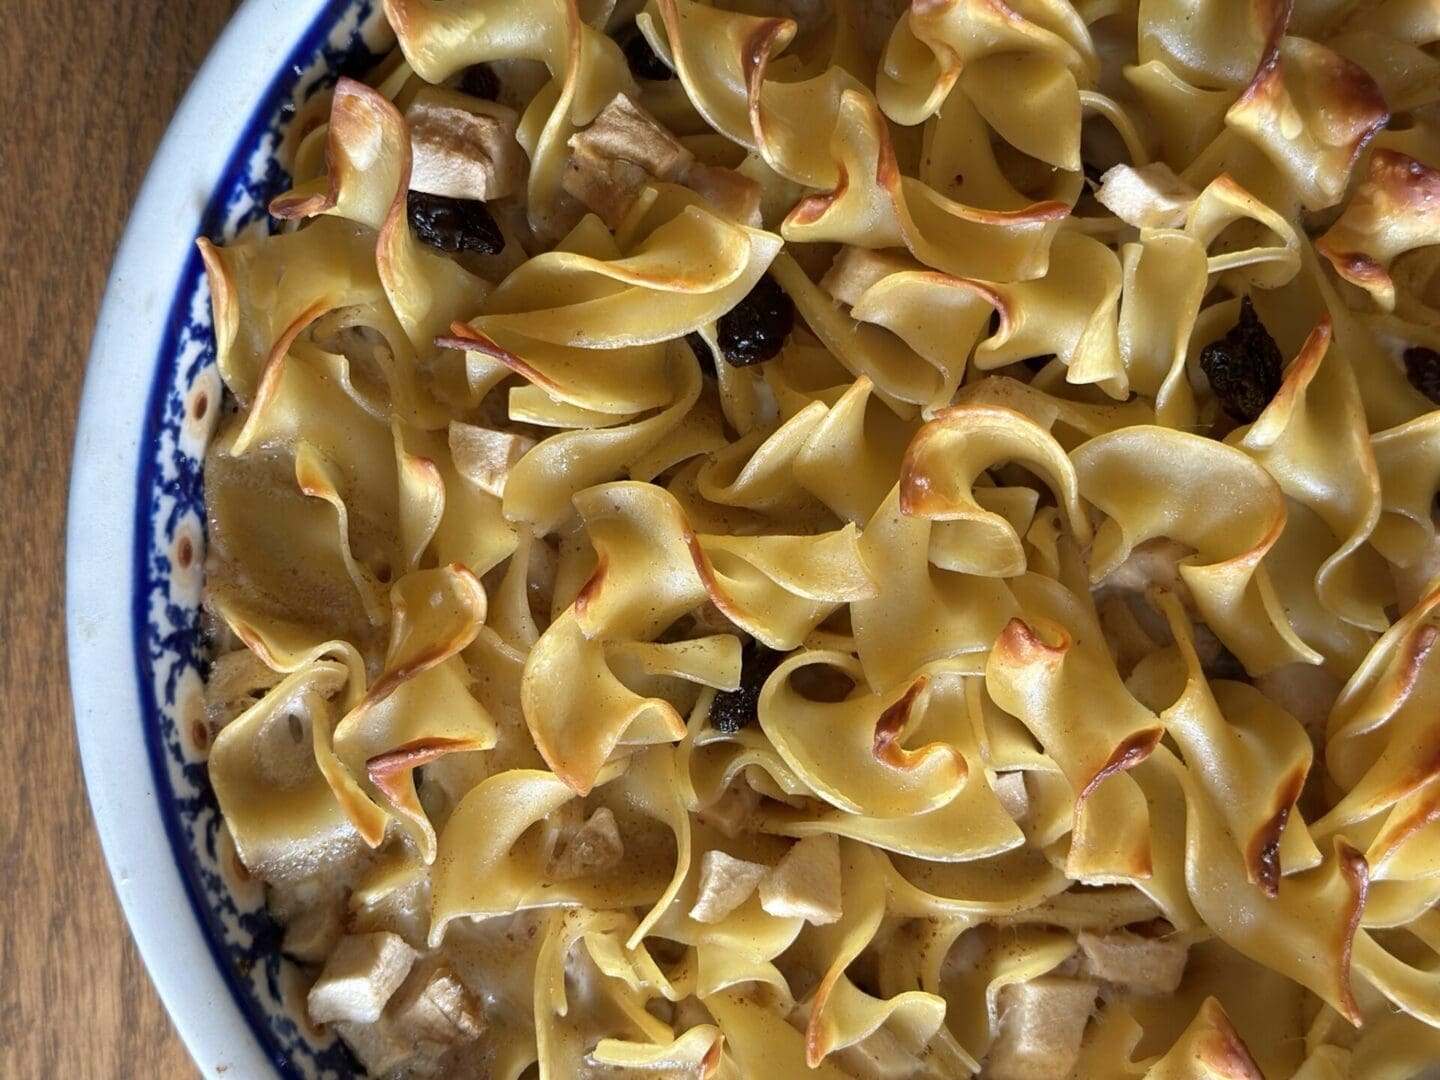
x=169, y=643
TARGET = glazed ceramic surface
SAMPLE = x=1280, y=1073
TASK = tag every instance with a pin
x=136, y=545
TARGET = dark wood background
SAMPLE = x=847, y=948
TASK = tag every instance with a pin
x=86, y=90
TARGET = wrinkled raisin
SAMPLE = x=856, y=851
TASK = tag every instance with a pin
x=454, y=225
x=480, y=80
x=643, y=61
x=754, y=330
x=702, y=353
x=735, y=709
x=1422, y=366
x=1244, y=366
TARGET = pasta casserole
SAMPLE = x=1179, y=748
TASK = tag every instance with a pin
x=837, y=537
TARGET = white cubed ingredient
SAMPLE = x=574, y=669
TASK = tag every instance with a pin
x=725, y=883
x=593, y=848
x=855, y=269
x=732, y=194
x=806, y=882
x=1149, y=965
x=732, y=811
x=607, y=186
x=1155, y=562
x=463, y=147
x=625, y=132
x=436, y=1006
x=1151, y=196
x=359, y=978
x=1013, y=795
x=484, y=456
x=378, y=1046
x=1042, y=1023
x=311, y=936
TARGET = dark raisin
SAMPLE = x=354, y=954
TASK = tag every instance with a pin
x=702, y=353
x=1244, y=366
x=735, y=709
x=480, y=80
x=1422, y=366
x=1226, y=665
x=643, y=61
x=754, y=330
x=454, y=225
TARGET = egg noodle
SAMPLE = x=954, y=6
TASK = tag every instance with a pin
x=1011, y=675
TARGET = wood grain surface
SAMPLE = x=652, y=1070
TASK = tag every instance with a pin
x=86, y=90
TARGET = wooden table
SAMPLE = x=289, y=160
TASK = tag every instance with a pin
x=86, y=90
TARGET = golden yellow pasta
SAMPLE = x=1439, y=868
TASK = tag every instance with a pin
x=844, y=537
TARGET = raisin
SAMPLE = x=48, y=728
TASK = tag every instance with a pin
x=454, y=225
x=754, y=330
x=480, y=80
x=735, y=709
x=1422, y=367
x=1244, y=366
x=643, y=61
x=702, y=353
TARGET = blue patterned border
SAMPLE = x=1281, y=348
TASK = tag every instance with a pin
x=170, y=648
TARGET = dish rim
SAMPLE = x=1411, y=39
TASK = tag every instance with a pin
x=258, y=50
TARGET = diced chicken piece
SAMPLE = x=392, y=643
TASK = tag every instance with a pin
x=733, y=195
x=484, y=456
x=379, y=1047
x=732, y=810
x=1153, y=563
x=1042, y=1023
x=617, y=155
x=725, y=883
x=463, y=147
x=1148, y=965
x=625, y=132
x=603, y=185
x=1014, y=797
x=1306, y=691
x=359, y=978
x=855, y=269
x=434, y=1005
x=806, y=883
x=311, y=936
x=1151, y=196
x=595, y=847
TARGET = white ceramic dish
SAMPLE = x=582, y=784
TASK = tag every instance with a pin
x=135, y=546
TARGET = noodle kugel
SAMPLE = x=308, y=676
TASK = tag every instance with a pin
x=845, y=537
